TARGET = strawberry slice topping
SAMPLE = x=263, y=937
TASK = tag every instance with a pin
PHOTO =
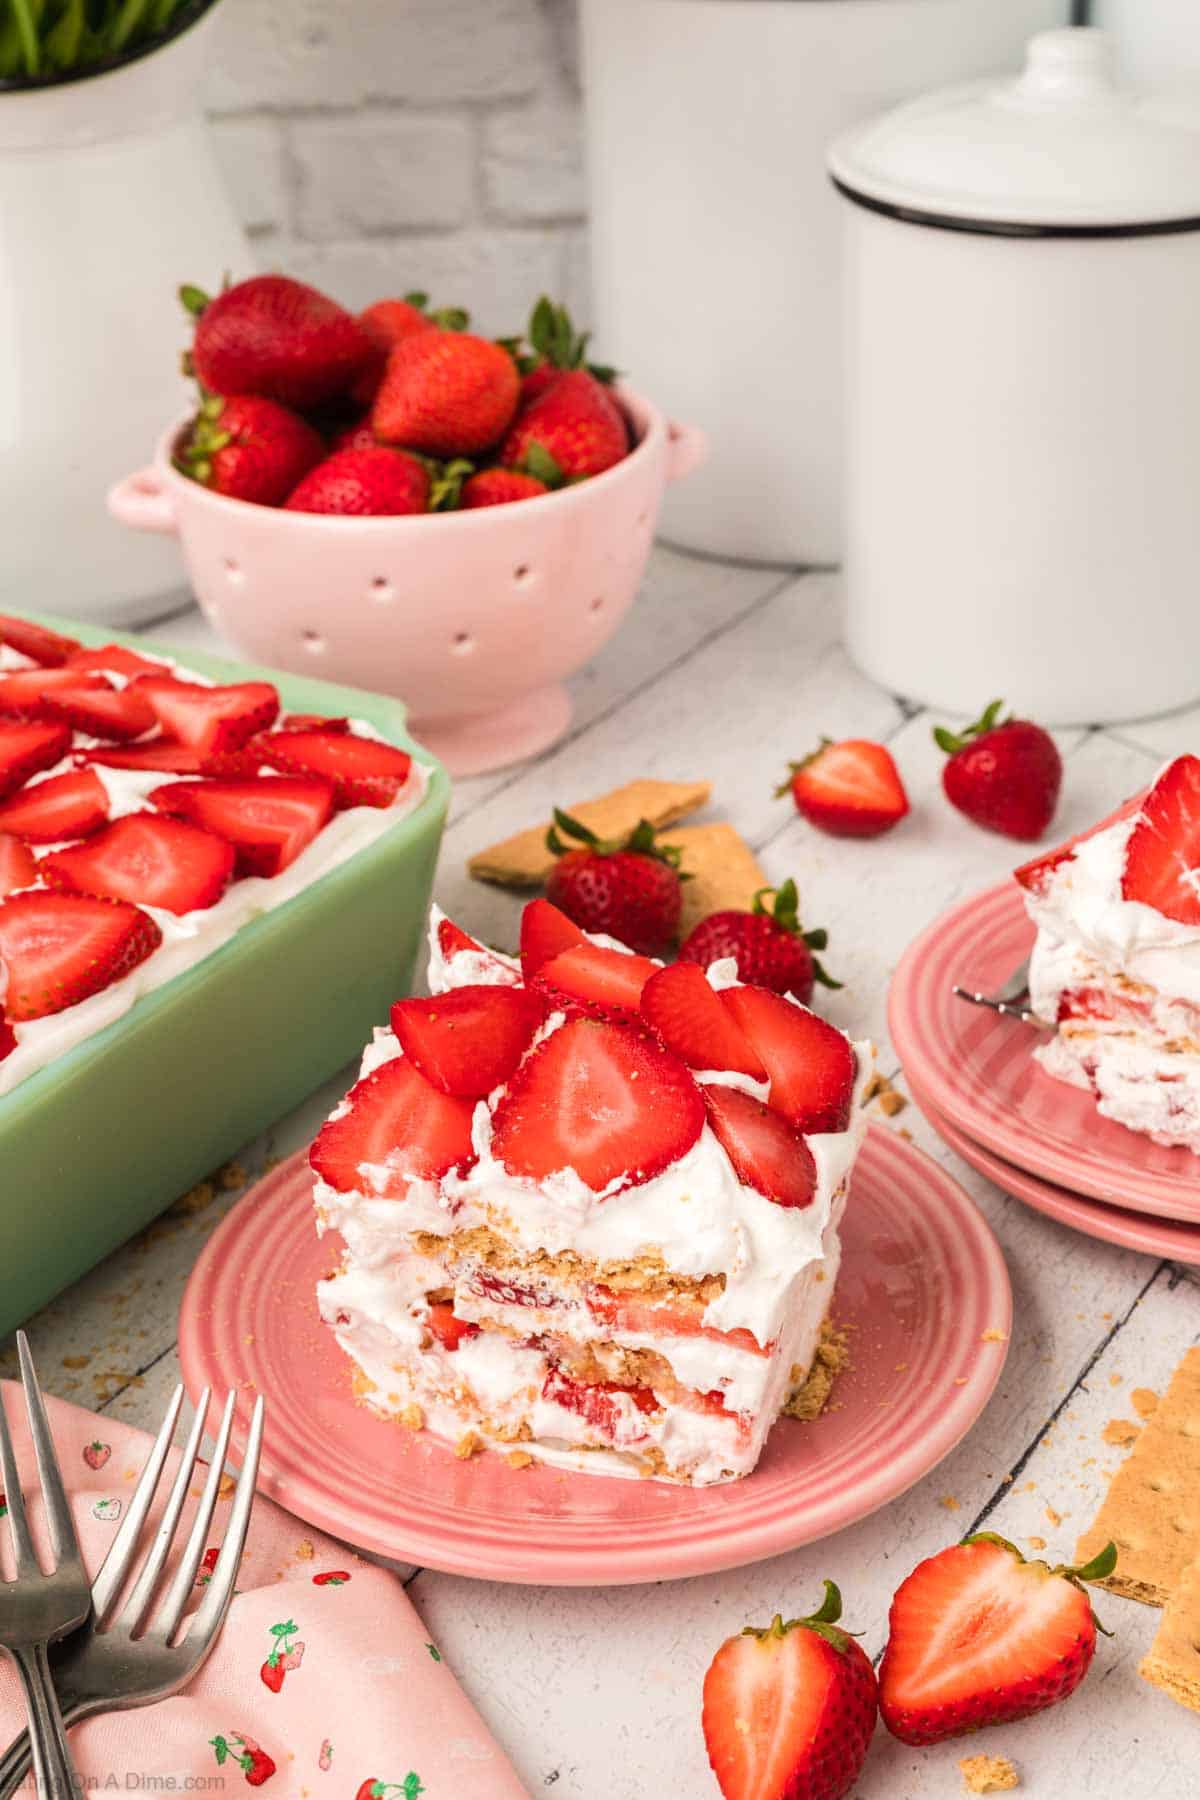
x=18, y=864
x=599, y=1402
x=59, y=948
x=116, y=659
x=766, y=1153
x=269, y=819
x=312, y=722
x=809, y=1063
x=609, y=980
x=61, y=807
x=1035, y=875
x=363, y=771
x=470, y=1040
x=605, y=1100
x=649, y=1315
x=454, y=941
x=210, y=720
x=37, y=642
x=688, y=1016
x=149, y=860
x=1162, y=858
x=120, y=714
x=545, y=933
x=28, y=693
x=447, y=1327
x=26, y=750
x=397, y=1130
x=160, y=753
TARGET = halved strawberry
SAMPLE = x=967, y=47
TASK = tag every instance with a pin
x=447, y=1327
x=27, y=694
x=59, y=948
x=363, y=771
x=269, y=819
x=545, y=933
x=18, y=864
x=469, y=1040
x=642, y=1314
x=26, y=750
x=978, y=1636
x=808, y=1061
x=397, y=1130
x=117, y=659
x=609, y=980
x=1162, y=857
x=599, y=1402
x=210, y=720
x=149, y=860
x=59, y=808
x=851, y=789
x=117, y=713
x=159, y=753
x=1035, y=874
x=766, y=1152
x=689, y=1018
x=604, y=1100
x=36, y=641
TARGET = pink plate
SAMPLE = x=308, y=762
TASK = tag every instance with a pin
x=976, y=1068
x=1131, y=1230
x=922, y=1281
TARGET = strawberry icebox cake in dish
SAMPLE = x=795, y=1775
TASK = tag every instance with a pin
x=589, y=1204
x=1116, y=964
x=146, y=815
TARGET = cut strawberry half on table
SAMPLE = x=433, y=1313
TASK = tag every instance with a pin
x=269, y=819
x=57, y=809
x=116, y=713
x=397, y=1129
x=767, y=1153
x=850, y=789
x=447, y=1327
x=1035, y=874
x=545, y=933
x=60, y=948
x=1162, y=857
x=210, y=720
x=469, y=1040
x=26, y=750
x=149, y=860
x=38, y=642
x=679, y=1004
x=809, y=1063
x=117, y=659
x=161, y=754
x=595, y=976
x=605, y=1100
x=363, y=771
x=599, y=1402
x=18, y=864
x=28, y=693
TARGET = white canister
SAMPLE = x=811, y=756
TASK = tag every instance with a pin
x=1024, y=393
x=109, y=198
x=715, y=236
x=1158, y=41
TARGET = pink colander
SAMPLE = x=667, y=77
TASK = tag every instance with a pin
x=472, y=618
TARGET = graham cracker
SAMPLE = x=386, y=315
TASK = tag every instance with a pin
x=988, y=1774
x=724, y=872
x=524, y=861
x=810, y=1398
x=1152, y=1509
x=1173, y=1659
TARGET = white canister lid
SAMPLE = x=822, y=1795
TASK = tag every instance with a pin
x=1065, y=147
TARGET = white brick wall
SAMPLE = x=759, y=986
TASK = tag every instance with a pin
x=373, y=146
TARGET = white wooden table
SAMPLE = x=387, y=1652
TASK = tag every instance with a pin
x=724, y=672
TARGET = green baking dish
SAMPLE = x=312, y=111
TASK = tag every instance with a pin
x=106, y=1136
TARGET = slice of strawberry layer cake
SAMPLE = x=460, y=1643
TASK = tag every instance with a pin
x=1116, y=964
x=590, y=1204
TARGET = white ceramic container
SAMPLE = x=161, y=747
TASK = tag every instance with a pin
x=109, y=198
x=715, y=237
x=1024, y=393
x=1158, y=41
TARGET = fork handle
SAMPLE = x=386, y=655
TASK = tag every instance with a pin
x=54, y=1771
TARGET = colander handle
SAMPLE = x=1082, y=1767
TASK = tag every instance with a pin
x=141, y=502
x=687, y=448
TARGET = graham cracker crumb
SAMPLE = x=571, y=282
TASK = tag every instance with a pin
x=1121, y=1432
x=411, y=1417
x=988, y=1774
x=305, y=1550
x=1144, y=1401
x=951, y=1502
x=1055, y=1518
x=362, y=1385
x=1036, y=1543
x=1115, y=1380
x=808, y=1401
x=874, y=1086
x=993, y=1335
x=890, y=1102
x=518, y=1459
x=1173, y=1659
x=468, y=1445
x=76, y=1362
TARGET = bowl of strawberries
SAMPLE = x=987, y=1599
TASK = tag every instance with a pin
x=391, y=500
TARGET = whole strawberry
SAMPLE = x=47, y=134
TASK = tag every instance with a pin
x=274, y=336
x=850, y=789
x=357, y=435
x=1005, y=774
x=574, y=429
x=768, y=944
x=359, y=483
x=445, y=392
x=627, y=888
x=248, y=448
x=496, y=487
x=789, y=1711
x=554, y=347
x=387, y=321
x=978, y=1636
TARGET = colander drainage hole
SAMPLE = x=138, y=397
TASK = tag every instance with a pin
x=234, y=573
x=597, y=605
x=521, y=574
x=381, y=589
x=462, y=643
x=313, y=642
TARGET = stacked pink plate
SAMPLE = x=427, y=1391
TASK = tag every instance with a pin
x=973, y=1074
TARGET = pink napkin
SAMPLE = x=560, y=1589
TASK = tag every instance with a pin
x=323, y=1684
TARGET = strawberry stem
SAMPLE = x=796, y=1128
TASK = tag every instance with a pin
x=786, y=913
x=641, y=840
x=953, y=741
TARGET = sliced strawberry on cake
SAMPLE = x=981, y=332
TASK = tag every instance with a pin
x=148, y=860
x=117, y=659
x=38, y=642
x=596, y=977
x=27, y=749
x=18, y=864
x=268, y=819
x=119, y=714
x=470, y=1041
x=364, y=772
x=478, y=963
x=30, y=693
x=56, y=809
x=210, y=720
x=158, y=755
x=681, y=1006
x=546, y=933
x=395, y=1129
x=59, y=949
x=767, y=1153
x=810, y=1064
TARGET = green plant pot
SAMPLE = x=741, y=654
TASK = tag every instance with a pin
x=98, y=1142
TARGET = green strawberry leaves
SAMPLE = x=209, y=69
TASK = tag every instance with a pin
x=784, y=909
x=824, y=1621
x=568, y=834
x=545, y=468
x=953, y=741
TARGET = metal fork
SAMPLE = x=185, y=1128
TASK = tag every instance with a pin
x=128, y=1658
x=40, y=1608
x=1012, y=999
